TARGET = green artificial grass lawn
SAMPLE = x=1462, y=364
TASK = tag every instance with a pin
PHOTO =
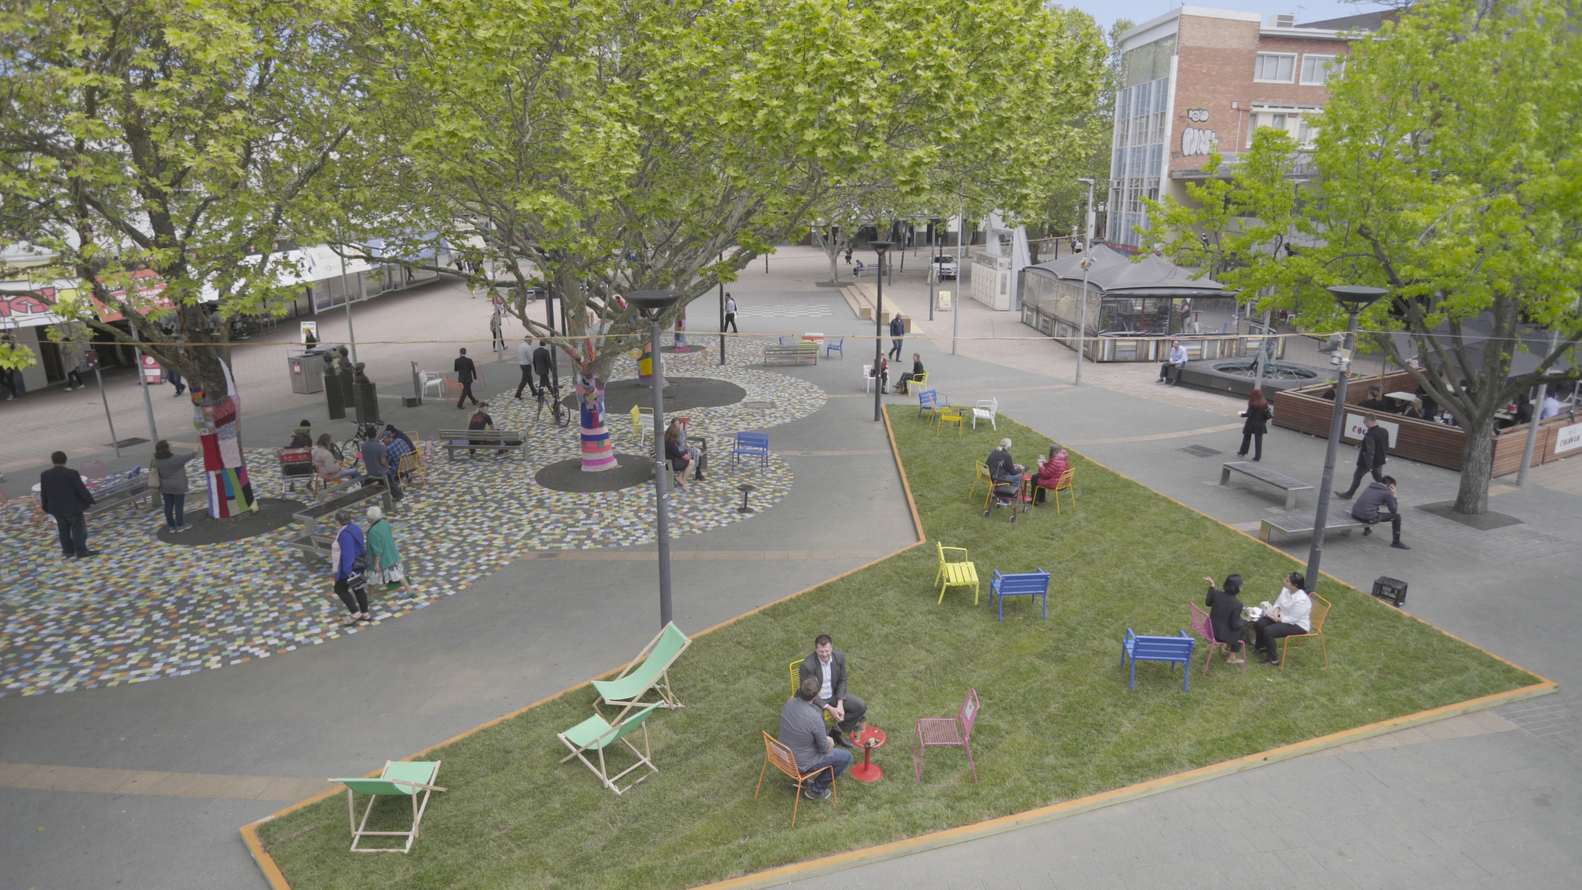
x=1057, y=720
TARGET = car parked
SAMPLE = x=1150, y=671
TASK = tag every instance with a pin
x=944, y=266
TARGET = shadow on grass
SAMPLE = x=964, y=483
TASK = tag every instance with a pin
x=1057, y=720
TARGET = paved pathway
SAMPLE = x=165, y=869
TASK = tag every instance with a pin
x=1484, y=801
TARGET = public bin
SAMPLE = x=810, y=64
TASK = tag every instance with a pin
x=307, y=371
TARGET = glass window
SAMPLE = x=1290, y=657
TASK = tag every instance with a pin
x=1275, y=67
x=1315, y=69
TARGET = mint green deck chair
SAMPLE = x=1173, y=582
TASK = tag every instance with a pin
x=594, y=734
x=407, y=778
x=649, y=670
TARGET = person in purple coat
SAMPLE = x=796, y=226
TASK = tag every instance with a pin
x=350, y=584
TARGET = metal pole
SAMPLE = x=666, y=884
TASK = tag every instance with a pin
x=1263, y=348
x=351, y=335
x=1087, y=261
x=931, y=290
x=661, y=473
x=1532, y=425
x=722, y=314
x=1330, y=449
x=549, y=314
x=142, y=380
x=878, y=341
x=114, y=442
x=955, y=319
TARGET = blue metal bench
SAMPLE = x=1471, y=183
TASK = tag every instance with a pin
x=1035, y=583
x=752, y=445
x=1177, y=649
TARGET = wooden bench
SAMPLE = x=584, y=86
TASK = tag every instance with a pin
x=1034, y=583
x=791, y=352
x=1265, y=475
x=472, y=440
x=1302, y=524
x=1176, y=650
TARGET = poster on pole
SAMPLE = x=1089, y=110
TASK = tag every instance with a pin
x=944, y=301
x=310, y=329
x=153, y=374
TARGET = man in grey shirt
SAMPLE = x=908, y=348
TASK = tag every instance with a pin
x=802, y=730
x=524, y=359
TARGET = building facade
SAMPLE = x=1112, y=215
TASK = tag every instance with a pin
x=1197, y=80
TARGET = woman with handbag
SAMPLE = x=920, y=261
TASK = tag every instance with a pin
x=1258, y=415
x=349, y=558
x=385, y=566
x=170, y=477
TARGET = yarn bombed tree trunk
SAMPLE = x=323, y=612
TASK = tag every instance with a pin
x=598, y=454
x=219, y=438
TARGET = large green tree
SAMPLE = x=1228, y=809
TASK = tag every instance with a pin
x=1448, y=171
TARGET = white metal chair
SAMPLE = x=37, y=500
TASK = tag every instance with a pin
x=867, y=378
x=433, y=379
x=986, y=409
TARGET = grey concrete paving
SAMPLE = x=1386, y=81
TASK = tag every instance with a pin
x=1485, y=810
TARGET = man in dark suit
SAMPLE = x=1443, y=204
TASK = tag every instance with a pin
x=63, y=495
x=466, y=373
x=1371, y=456
x=827, y=665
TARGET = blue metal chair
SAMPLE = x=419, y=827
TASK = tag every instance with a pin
x=833, y=344
x=788, y=341
x=752, y=445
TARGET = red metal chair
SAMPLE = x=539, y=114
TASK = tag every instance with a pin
x=1205, y=629
x=955, y=730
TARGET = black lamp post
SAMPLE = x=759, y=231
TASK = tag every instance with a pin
x=1353, y=299
x=652, y=304
x=879, y=247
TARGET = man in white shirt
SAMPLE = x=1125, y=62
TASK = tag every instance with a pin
x=1178, y=360
x=1288, y=616
x=1551, y=407
x=827, y=665
x=730, y=314
x=524, y=359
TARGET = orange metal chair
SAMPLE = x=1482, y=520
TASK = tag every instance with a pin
x=1320, y=612
x=781, y=757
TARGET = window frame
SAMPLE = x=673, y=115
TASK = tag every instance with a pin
x=1329, y=61
x=1257, y=63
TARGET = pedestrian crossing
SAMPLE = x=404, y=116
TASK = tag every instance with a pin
x=810, y=310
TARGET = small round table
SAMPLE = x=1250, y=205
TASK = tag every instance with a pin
x=869, y=738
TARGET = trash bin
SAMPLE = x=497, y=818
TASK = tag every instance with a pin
x=307, y=372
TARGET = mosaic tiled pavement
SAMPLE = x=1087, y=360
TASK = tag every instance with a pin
x=144, y=609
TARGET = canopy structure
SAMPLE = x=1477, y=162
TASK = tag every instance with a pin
x=1125, y=297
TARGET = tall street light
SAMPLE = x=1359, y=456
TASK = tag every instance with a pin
x=1087, y=260
x=652, y=304
x=879, y=247
x=1353, y=299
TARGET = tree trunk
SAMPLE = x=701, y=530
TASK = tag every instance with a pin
x=597, y=453
x=1477, y=467
x=834, y=266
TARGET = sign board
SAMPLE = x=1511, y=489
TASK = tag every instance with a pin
x=944, y=301
x=91, y=357
x=1568, y=438
x=153, y=374
x=1354, y=428
x=310, y=327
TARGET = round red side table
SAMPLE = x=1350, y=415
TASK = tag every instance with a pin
x=869, y=737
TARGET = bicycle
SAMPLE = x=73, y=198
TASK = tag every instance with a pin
x=352, y=448
x=550, y=392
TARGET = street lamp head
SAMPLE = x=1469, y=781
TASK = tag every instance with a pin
x=880, y=247
x=1085, y=180
x=1355, y=298
x=652, y=303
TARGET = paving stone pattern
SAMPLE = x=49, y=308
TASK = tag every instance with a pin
x=143, y=609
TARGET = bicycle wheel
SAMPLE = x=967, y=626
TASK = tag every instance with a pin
x=562, y=416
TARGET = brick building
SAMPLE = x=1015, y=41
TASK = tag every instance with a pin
x=1197, y=79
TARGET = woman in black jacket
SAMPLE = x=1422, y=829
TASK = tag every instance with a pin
x=1258, y=415
x=1224, y=613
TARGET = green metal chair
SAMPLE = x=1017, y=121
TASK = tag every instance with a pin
x=595, y=734
x=406, y=778
x=649, y=670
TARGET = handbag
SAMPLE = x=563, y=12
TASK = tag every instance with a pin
x=153, y=478
x=360, y=562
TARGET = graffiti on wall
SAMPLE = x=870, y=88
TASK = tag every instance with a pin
x=1197, y=115
x=1195, y=141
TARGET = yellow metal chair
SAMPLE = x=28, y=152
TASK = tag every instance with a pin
x=948, y=414
x=1061, y=484
x=956, y=573
x=796, y=685
x=984, y=477
x=643, y=424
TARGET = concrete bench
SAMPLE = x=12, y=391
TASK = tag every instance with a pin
x=1267, y=476
x=311, y=517
x=313, y=545
x=792, y=352
x=1177, y=649
x=1031, y=584
x=475, y=440
x=1302, y=524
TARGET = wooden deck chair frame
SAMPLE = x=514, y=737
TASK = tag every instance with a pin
x=388, y=785
x=596, y=734
x=1319, y=615
x=785, y=761
x=626, y=692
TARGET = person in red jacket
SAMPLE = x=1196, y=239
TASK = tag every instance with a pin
x=1050, y=469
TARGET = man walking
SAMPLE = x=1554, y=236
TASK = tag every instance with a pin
x=497, y=337
x=730, y=314
x=524, y=360
x=63, y=495
x=897, y=331
x=544, y=366
x=1370, y=508
x=466, y=373
x=827, y=667
x=1371, y=456
x=802, y=730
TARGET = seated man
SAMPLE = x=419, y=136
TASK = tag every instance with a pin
x=1374, y=401
x=1287, y=617
x=396, y=447
x=1178, y=360
x=1370, y=508
x=827, y=666
x=1006, y=473
x=802, y=730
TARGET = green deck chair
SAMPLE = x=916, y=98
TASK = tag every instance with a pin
x=407, y=778
x=594, y=734
x=649, y=670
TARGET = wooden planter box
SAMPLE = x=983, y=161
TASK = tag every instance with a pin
x=1305, y=410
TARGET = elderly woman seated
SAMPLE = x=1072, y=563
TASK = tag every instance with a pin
x=1050, y=469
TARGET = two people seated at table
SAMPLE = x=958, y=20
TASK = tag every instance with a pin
x=1006, y=473
x=822, y=688
x=1050, y=469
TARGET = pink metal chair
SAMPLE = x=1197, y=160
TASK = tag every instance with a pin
x=955, y=730
x=1205, y=629
x=93, y=469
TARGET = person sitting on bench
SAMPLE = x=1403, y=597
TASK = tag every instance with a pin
x=680, y=455
x=1006, y=473
x=1178, y=360
x=1370, y=508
